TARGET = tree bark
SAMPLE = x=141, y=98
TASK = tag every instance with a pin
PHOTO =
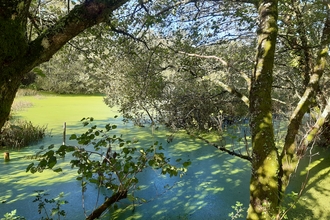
x=108, y=202
x=263, y=183
x=18, y=56
x=289, y=157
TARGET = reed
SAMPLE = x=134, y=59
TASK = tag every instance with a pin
x=19, y=133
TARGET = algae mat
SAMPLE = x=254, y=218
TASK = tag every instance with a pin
x=17, y=187
x=213, y=184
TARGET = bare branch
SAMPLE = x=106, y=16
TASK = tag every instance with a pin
x=231, y=90
x=123, y=32
x=313, y=131
x=279, y=101
x=108, y=202
x=231, y=152
x=236, y=93
x=174, y=6
x=206, y=57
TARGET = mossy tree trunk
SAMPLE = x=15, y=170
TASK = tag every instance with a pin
x=271, y=170
x=263, y=183
x=289, y=156
x=13, y=43
x=19, y=55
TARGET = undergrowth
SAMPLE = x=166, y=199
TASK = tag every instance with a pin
x=18, y=133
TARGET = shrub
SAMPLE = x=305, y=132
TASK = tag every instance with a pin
x=18, y=133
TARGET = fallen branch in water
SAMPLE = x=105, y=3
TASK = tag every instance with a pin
x=108, y=202
x=231, y=152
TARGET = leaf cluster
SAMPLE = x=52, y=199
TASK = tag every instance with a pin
x=106, y=159
x=43, y=201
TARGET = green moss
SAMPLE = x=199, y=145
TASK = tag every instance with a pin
x=12, y=39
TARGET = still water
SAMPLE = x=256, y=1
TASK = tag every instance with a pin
x=212, y=185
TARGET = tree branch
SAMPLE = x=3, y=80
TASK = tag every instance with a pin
x=123, y=32
x=231, y=152
x=236, y=93
x=108, y=202
x=80, y=18
x=288, y=155
x=313, y=131
x=231, y=90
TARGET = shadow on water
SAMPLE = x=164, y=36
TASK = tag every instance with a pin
x=18, y=187
x=213, y=183
x=314, y=203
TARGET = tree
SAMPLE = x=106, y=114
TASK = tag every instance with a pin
x=292, y=50
x=272, y=165
x=284, y=27
x=21, y=52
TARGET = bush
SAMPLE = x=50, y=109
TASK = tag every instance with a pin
x=12, y=216
x=17, y=134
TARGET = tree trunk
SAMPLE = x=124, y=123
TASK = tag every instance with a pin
x=13, y=45
x=264, y=181
x=289, y=157
x=18, y=56
x=8, y=91
x=6, y=156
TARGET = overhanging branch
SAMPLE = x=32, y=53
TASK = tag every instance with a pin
x=313, y=131
x=228, y=88
x=221, y=148
x=80, y=18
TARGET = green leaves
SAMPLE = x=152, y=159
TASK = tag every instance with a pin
x=39, y=72
x=56, y=203
x=106, y=159
x=186, y=164
x=28, y=168
x=47, y=161
x=73, y=137
x=12, y=216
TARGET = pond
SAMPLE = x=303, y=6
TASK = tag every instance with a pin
x=212, y=185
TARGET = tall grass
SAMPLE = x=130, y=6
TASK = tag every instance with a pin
x=20, y=105
x=18, y=133
x=26, y=92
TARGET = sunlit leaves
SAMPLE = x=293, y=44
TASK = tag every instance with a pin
x=39, y=72
x=56, y=203
x=106, y=159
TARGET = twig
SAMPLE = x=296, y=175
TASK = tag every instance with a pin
x=303, y=185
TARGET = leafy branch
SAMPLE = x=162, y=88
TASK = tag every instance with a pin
x=107, y=160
